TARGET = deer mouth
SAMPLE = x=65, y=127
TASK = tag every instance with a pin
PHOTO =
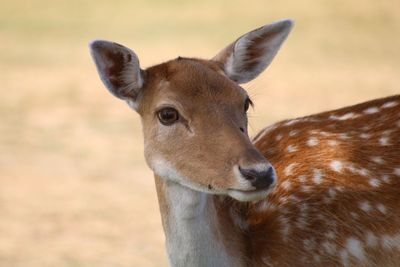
x=249, y=195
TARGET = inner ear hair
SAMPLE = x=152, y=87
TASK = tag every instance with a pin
x=249, y=55
x=118, y=68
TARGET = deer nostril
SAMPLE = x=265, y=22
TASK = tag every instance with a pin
x=248, y=174
x=269, y=172
x=259, y=179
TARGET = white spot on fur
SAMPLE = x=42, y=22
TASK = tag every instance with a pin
x=346, y=116
x=302, y=178
x=291, y=148
x=386, y=132
x=365, y=206
x=374, y=182
x=390, y=104
x=381, y=208
x=361, y=171
x=312, y=141
x=291, y=122
x=331, y=193
x=293, y=132
x=396, y=171
x=330, y=235
x=286, y=184
x=386, y=178
x=339, y=188
x=344, y=136
x=391, y=242
x=372, y=240
x=371, y=110
x=317, y=176
x=336, y=165
x=329, y=247
x=364, y=172
x=351, y=168
x=377, y=160
x=325, y=134
x=332, y=142
x=278, y=137
x=365, y=135
x=384, y=141
x=289, y=169
x=355, y=248
x=306, y=188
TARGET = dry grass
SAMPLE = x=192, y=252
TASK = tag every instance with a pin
x=74, y=187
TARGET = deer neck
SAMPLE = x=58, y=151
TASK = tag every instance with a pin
x=193, y=229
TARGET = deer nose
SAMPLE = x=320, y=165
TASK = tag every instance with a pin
x=260, y=179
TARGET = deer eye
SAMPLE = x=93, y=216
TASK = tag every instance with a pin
x=168, y=116
x=247, y=104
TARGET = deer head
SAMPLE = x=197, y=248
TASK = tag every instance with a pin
x=193, y=112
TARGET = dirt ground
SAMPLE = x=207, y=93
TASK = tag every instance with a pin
x=74, y=187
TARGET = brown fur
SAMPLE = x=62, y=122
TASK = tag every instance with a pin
x=341, y=213
x=336, y=200
x=214, y=106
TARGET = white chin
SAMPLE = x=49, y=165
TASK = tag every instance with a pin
x=246, y=196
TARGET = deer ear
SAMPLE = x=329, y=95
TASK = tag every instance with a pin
x=248, y=56
x=119, y=70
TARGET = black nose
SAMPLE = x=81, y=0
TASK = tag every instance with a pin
x=259, y=179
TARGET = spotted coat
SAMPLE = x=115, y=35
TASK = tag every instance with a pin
x=337, y=199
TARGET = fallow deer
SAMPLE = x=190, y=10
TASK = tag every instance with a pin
x=321, y=190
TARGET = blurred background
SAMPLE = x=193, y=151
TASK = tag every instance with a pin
x=74, y=187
